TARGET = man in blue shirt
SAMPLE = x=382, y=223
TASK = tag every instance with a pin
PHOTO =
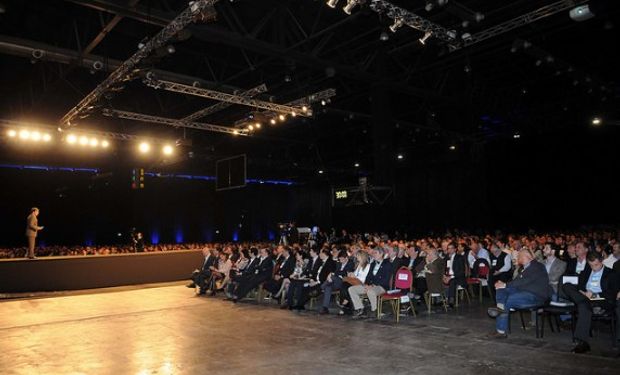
x=597, y=287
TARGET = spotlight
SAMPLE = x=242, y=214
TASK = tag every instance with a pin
x=83, y=140
x=24, y=134
x=304, y=109
x=250, y=127
x=105, y=144
x=321, y=171
x=452, y=147
x=294, y=114
x=144, y=147
x=282, y=117
x=47, y=137
x=97, y=65
x=323, y=103
x=12, y=133
x=257, y=125
x=235, y=132
x=384, y=37
x=167, y=150
x=350, y=5
x=272, y=121
x=516, y=136
x=171, y=49
x=35, y=136
x=356, y=165
x=597, y=121
x=400, y=157
x=425, y=37
x=93, y=142
x=398, y=22
x=332, y=3
x=71, y=139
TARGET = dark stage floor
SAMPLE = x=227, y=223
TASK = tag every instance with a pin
x=168, y=330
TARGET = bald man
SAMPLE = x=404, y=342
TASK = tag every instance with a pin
x=529, y=289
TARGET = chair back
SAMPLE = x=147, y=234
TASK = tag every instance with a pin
x=403, y=279
x=483, y=270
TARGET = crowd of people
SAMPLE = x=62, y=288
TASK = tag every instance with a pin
x=48, y=251
x=522, y=271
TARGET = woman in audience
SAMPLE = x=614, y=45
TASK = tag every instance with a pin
x=353, y=278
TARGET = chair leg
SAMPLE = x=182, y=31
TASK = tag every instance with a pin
x=522, y=320
x=542, y=325
x=397, y=310
x=428, y=299
x=537, y=335
x=412, y=309
x=480, y=292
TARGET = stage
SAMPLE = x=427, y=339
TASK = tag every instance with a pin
x=168, y=330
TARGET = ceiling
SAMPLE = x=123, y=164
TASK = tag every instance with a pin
x=395, y=95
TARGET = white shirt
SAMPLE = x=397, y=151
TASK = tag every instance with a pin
x=580, y=266
x=449, y=264
x=361, y=273
x=609, y=261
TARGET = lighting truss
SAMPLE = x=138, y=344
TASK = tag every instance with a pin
x=172, y=122
x=306, y=100
x=522, y=20
x=413, y=20
x=223, y=105
x=126, y=70
x=221, y=96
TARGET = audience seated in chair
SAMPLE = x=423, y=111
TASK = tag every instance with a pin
x=377, y=283
x=260, y=274
x=530, y=289
x=454, y=273
x=335, y=279
x=357, y=277
x=296, y=286
x=282, y=271
x=203, y=275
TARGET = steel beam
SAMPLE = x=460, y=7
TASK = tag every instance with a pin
x=223, y=105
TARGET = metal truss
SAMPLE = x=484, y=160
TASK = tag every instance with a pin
x=126, y=70
x=223, y=97
x=306, y=100
x=223, y=105
x=522, y=20
x=413, y=20
x=172, y=122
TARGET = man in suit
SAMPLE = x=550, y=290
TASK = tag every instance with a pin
x=455, y=272
x=310, y=272
x=434, y=271
x=334, y=280
x=377, y=282
x=596, y=281
x=574, y=266
x=261, y=273
x=201, y=276
x=555, y=268
x=529, y=289
x=284, y=270
x=32, y=227
x=244, y=274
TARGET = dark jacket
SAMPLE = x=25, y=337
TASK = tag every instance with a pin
x=534, y=279
x=263, y=269
x=609, y=285
x=348, y=267
x=328, y=267
x=383, y=276
x=287, y=267
x=312, y=268
x=209, y=261
x=571, y=267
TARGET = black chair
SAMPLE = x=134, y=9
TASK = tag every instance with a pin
x=607, y=316
x=532, y=309
x=553, y=311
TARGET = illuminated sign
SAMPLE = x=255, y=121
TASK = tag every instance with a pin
x=341, y=194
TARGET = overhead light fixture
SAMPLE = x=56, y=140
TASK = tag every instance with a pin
x=516, y=136
x=94, y=142
x=294, y=114
x=272, y=121
x=144, y=147
x=350, y=5
x=105, y=144
x=356, y=165
x=400, y=157
x=581, y=13
x=304, y=109
x=171, y=49
x=167, y=150
x=452, y=147
x=83, y=140
x=597, y=121
x=71, y=139
x=332, y=3
x=282, y=117
x=398, y=22
x=235, y=132
x=24, y=134
x=12, y=133
x=257, y=125
x=323, y=103
x=425, y=37
x=384, y=37
x=320, y=171
x=250, y=127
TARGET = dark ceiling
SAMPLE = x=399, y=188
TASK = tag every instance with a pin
x=393, y=96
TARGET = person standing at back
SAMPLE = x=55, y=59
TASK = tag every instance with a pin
x=32, y=227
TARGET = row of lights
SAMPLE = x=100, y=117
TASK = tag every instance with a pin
x=29, y=135
x=84, y=141
x=273, y=121
x=145, y=148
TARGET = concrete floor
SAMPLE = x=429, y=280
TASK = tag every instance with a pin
x=168, y=330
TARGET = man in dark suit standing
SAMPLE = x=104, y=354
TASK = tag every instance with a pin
x=529, y=289
x=262, y=273
x=32, y=227
x=455, y=272
x=597, y=288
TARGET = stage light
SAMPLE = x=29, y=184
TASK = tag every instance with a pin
x=93, y=142
x=294, y=114
x=425, y=37
x=398, y=22
x=24, y=134
x=171, y=49
x=597, y=121
x=452, y=147
x=400, y=157
x=235, y=132
x=71, y=139
x=47, y=137
x=516, y=136
x=272, y=121
x=332, y=3
x=323, y=103
x=144, y=147
x=83, y=140
x=257, y=125
x=350, y=5
x=167, y=150
x=356, y=165
x=282, y=117
x=321, y=171
x=304, y=109
x=250, y=127
x=12, y=133
x=384, y=37
x=105, y=144
x=35, y=136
